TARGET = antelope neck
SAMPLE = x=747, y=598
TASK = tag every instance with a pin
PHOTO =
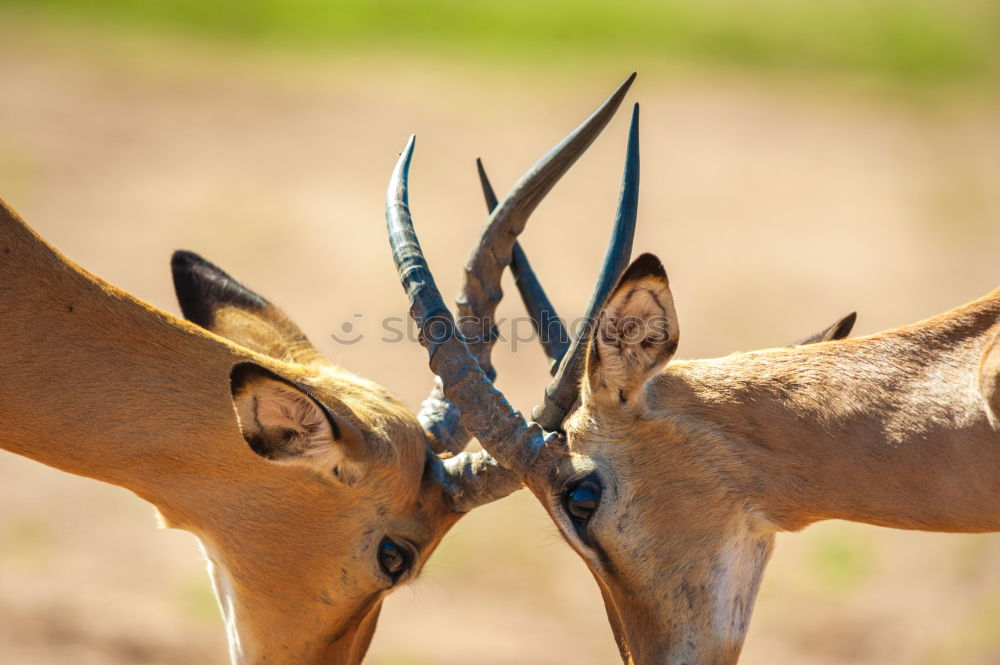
x=889, y=429
x=103, y=385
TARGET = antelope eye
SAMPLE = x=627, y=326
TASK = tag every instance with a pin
x=393, y=559
x=581, y=501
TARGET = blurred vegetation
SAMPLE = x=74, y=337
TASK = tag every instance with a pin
x=976, y=641
x=904, y=41
x=27, y=541
x=196, y=601
x=399, y=657
x=841, y=559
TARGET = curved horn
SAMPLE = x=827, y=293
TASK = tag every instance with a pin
x=562, y=392
x=485, y=411
x=472, y=479
x=551, y=331
x=480, y=292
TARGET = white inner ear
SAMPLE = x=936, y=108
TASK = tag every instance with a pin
x=304, y=425
x=635, y=322
x=293, y=428
x=635, y=337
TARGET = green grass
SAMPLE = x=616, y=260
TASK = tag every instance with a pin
x=841, y=560
x=909, y=41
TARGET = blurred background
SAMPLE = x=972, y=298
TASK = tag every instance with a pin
x=800, y=160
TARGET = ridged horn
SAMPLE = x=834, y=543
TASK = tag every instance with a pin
x=480, y=292
x=563, y=391
x=551, y=331
x=485, y=412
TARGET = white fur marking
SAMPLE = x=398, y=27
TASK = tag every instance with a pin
x=223, y=588
x=736, y=576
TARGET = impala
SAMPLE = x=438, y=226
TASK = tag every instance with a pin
x=312, y=491
x=671, y=479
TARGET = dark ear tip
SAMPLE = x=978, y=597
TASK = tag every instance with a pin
x=246, y=372
x=201, y=287
x=192, y=286
x=845, y=326
x=184, y=257
x=646, y=265
x=242, y=373
x=184, y=261
x=192, y=273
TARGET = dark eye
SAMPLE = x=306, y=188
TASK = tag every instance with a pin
x=581, y=501
x=393, y=559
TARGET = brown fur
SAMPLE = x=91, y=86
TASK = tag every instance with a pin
x=704, y=461
x=100, y=384
x=989, y=377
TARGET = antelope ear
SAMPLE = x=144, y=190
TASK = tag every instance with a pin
x=215, y=301
x=989, y=377
x=636, y=334
x=283, y=423
x=839, y=330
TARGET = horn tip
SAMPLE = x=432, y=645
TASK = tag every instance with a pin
x=407, y=154
x=623, y=88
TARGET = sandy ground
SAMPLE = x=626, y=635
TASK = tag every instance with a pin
x=776, y=206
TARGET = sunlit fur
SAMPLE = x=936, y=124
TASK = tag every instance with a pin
x=99, y=384
x=703, y=461
x=989, y=379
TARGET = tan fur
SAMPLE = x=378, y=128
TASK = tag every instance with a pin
x=99, y=384
x=713, y=457
x=989, y=378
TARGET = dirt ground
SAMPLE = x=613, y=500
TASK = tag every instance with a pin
x=776, y=206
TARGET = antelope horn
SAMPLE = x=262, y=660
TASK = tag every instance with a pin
x=551, y=331
x=562, y=392
x=480, y=293
x=485, y=412
x=514, y=444
x=472, y=479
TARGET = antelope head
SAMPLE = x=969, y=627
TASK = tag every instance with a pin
x=301, y=573
x=314, y=492
x=670, y=478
